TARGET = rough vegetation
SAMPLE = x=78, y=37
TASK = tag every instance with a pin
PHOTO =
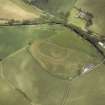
x=52, y=52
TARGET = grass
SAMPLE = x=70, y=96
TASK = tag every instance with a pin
x=89, y=89
x=73, y=19
x=11, y=95
x=20, y=10
x=17, y=9
x=64, y=54
x=98, y=12
x=56, y=7
x=15, y=37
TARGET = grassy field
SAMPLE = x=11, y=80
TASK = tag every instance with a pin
x=35, y=58
x=6, y=91
x=64, y=50
x=17, y=9
x=76, y=21
x=63, y=55
x=97, y=8
x=89, y=89
x=20, y=10
x=15, y=37
x=55, y=7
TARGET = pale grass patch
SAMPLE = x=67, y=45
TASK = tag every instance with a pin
x=10, y=10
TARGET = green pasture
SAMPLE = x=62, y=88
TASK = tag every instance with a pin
x=62, y=54
x=55, y=7
x=13, y=38
x=89, y=88
x=59, y=43
x=18, y=10
x=97, y=8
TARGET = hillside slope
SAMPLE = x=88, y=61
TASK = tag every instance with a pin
x=59, y=8
x=17, y=9
x=97, y=9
